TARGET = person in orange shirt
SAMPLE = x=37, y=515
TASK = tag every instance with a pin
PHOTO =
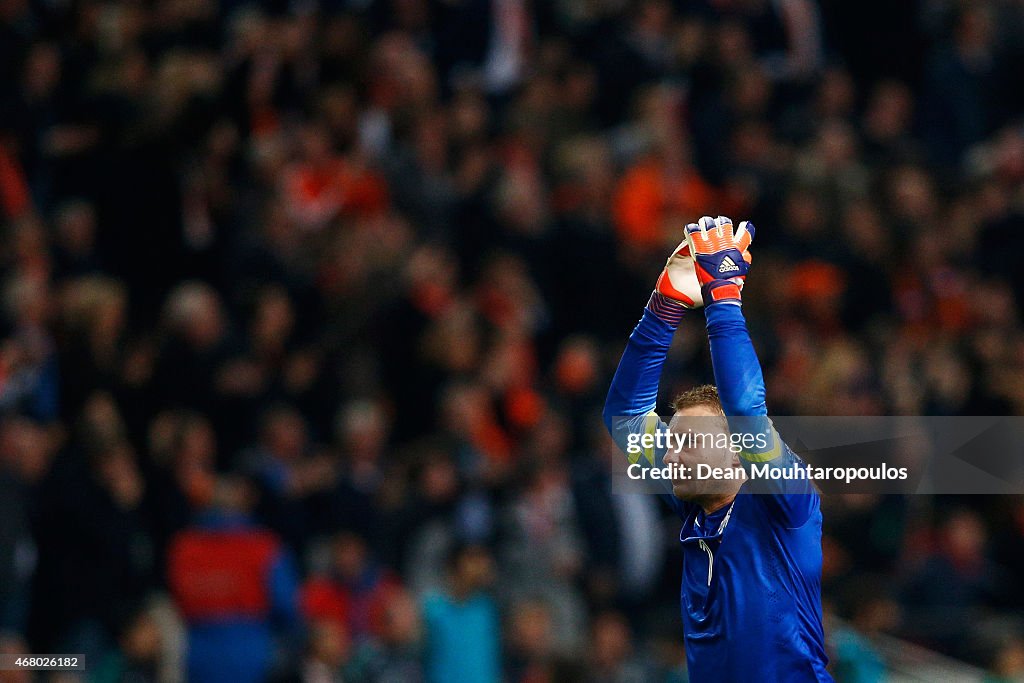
x=653, y=193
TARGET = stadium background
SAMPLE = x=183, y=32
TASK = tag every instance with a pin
x=358, y=272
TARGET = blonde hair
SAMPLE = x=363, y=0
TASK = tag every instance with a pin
x=705, y=395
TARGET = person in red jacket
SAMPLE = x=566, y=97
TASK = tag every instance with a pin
x=355, y=592
x=236, y=587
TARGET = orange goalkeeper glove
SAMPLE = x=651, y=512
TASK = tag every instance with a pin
x=721, y=257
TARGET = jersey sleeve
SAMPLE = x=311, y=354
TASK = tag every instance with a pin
x=629, y=409
x=741, y=390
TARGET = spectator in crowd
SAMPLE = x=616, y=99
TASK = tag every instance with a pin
x=542, y=552
x=613, y=657
x=25, y=452
x=30, y=382
x=462, y=629
x=139, y=656
x=530, y=643
x=355, y=592
x=183, y=448
x=398, y=653
x=236, y=588
x=855, y=656
x=292, y=478
x=624, y=560
x=954, y=585
x=96, y=555
x=362, y=431
x=327, y=652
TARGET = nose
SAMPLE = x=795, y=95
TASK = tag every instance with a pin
x=672, y=457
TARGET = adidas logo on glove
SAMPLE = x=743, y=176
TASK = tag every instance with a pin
x=728, y=265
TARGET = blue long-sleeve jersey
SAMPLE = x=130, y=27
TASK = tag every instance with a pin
x=751, y=587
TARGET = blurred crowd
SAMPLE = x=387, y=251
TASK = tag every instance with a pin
x=309, y=308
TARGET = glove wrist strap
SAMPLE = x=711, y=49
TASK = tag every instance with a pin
x=668, y=311
x=721, y=292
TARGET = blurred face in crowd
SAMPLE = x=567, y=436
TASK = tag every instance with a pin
x=101, y=420
x=142, y=641
x=207, y=328
x=195, y=312
x=76, y=227
x=803, y=214
x=194, y=461
x=974, y=30
x=28, y=300
x=234, y=495
x=285, y=435
x=329, y=643
x=530, y=630
x=362, y=430
x=439, y=479
x=877, y=615
x=473, y=570
x=889, y=112
x=469, y=116
x=274, y=319
x=350, y=555
x=964, y=539
x=25, y=448
x=118, y=473
x=197, y=444
x=402, y=619
x=611, y=641
x=912, y=195
x=577, y=366
x=708, y=421
x=42, y=70
x=836, y=94
x=316, y=145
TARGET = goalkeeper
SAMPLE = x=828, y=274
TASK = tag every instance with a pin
x=751, y=587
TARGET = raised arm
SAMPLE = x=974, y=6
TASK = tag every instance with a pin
x=722, y=269
x=737, y=370
x=633, y=395
x=722, y=263
x=634, y=388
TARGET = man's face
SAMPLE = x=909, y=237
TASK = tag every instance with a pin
x=708, y=431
